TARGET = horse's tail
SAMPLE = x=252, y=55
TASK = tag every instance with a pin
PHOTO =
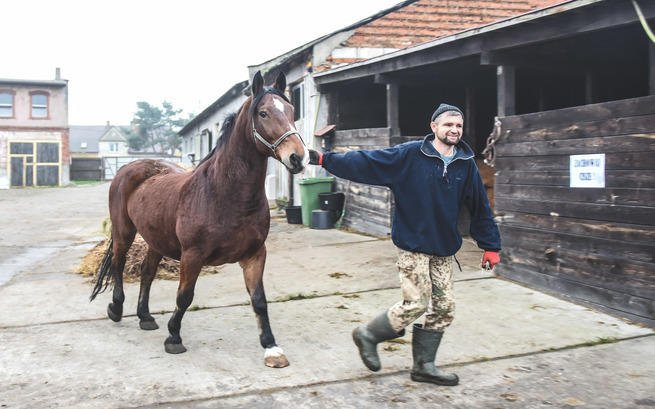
x=103, y=273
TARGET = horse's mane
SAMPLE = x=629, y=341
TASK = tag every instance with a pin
x=223, y=135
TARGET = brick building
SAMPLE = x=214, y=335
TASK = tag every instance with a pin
x=34, y=132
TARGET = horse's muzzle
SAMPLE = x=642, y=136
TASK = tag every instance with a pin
x=297, y=165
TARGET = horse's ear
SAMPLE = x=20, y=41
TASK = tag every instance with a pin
x=281, y=82
x=257, y=84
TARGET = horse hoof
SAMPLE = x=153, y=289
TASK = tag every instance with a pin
x=112, y=315
x=174, y=348
x=276, y=361
x=149, y=325
x=275, y=358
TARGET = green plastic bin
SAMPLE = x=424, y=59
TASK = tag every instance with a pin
x=309, y=190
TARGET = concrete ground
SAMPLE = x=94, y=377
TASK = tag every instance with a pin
x=513, y=347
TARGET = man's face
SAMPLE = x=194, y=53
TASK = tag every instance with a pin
x=448, y=128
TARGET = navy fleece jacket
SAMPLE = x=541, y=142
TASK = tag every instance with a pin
x=427, y=194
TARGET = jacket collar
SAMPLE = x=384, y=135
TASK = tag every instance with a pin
x=428, y=149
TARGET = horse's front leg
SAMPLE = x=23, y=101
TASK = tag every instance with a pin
x=253, y=271
x=190, y=265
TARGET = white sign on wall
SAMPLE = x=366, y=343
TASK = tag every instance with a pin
x=587, y=170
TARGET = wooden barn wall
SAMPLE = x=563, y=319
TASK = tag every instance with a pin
x=368, y=208
x=593, y=245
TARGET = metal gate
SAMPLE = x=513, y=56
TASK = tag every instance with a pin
x=34, y=163
x=86, y=169
x=111, y=164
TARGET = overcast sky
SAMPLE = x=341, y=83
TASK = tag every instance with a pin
x=187, y=52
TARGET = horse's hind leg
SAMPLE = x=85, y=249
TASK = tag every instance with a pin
x=253, y=272
x=190, y=266
x=148, y=271
x=123, y=239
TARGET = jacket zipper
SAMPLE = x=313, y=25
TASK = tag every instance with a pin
x=445, y=167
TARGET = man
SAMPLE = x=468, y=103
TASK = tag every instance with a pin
x=430, y=180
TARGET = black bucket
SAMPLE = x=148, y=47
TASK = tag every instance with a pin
x=294, y=214
x=321, y=219
x=333, y=203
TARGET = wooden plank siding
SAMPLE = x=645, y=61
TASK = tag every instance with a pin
x=593, y=245
x=368, y=209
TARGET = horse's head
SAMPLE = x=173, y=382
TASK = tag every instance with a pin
x=273, y=128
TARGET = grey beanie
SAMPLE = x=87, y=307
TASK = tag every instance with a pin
x=445, y=108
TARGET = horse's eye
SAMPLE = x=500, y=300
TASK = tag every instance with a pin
x=263, y=114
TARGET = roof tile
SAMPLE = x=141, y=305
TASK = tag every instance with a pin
x=426, y=20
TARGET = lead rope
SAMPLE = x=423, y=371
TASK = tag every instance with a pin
x=643, y=21
x=489, y=151
x=457, y=261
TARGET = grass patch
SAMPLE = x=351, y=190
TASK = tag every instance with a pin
x=339, y=275
x=600, y=341
x=299, y=296
x=87, y=182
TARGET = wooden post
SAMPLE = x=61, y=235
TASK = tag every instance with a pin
x=651, y=67
x=393, y=117
x=506, y=78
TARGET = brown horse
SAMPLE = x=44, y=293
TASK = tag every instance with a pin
x=216, y=214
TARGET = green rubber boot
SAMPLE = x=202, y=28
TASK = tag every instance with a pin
x=424, y=350
x=368, y=337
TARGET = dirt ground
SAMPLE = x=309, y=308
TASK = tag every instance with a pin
x=512, y=346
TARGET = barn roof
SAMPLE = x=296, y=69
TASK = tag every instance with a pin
x=221, y=101
x=363, y=67
x=425, y=20
x=409, y=23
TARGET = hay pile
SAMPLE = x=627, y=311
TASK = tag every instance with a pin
x=168, y=268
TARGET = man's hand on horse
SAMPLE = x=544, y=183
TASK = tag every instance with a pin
x=490, y=259
x=315, y=157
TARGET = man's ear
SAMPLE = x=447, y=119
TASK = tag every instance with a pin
x=433, y=126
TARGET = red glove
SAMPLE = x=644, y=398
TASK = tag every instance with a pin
x=490, y=259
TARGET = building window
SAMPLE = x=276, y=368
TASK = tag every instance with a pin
x=39, y=105
x=6, y=104
x=113, y=147
x=297, y=98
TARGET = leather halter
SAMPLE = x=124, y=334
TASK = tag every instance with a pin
x=276, y=143
x=281, y=139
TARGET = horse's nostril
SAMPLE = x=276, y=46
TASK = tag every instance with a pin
x=295, y=160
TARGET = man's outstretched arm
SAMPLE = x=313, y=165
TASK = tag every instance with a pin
x=377, y=167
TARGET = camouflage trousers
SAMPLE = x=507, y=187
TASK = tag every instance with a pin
x=426, y=284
